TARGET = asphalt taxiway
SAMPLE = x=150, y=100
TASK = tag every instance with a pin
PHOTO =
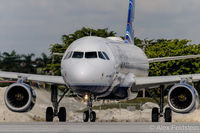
x=99, y=127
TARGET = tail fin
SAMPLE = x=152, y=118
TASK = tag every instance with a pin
x=130, y=23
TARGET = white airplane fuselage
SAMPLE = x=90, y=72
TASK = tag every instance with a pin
x=95, y=75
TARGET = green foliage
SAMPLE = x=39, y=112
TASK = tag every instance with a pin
x=42, y=61
x=4, y=84
x=27, y=63
x=14, y=62
x=53, y=69
x=167, y=48
x=68, y=39
x=10, y=61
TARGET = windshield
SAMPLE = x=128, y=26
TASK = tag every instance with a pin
x=90, y=54
x=69, y=54
x=106, y=56
x=87, y=55
x=78, y=55
x=101, y=55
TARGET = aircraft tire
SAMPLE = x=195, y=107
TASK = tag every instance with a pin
x=155, y=115
x=93, y=116
x=49, y=114
x=168, y=115
x=62, y=114
x=85, y=116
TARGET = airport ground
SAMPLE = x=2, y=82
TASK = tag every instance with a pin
x=108, y=121
x=99, y=127
x=37, y=114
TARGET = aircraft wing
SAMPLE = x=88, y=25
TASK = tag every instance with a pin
x=163, y=59
x=156, y=81
x=33, y=77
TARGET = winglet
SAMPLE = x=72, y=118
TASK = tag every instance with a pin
x=130, y=23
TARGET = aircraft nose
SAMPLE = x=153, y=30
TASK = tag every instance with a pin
x=89, y=76
x=81, y=74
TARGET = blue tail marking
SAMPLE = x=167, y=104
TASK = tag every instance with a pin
x=130, y=23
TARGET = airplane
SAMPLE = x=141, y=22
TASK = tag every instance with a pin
x=98, y=68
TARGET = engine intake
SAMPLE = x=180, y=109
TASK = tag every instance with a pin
x=183, y=98
x=19, y=97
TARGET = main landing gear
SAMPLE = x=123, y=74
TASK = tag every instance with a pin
x=54, y=112
x=89, y=114
x=156, y=113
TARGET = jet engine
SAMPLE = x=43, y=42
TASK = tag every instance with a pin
x=183, y=98
x=19, y=97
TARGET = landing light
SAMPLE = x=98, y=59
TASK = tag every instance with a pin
x=86, y=97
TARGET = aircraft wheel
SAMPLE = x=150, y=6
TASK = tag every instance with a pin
x=155, y=115
x=49, y=114
x=93, y=116
x=168, y=115
x=86, y=116
x=62, y=114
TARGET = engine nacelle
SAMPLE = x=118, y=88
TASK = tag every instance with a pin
x=183, y=98
x=19, y=97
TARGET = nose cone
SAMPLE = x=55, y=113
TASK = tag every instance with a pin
x=81, y=74
x=87, y=76
x=85, y=73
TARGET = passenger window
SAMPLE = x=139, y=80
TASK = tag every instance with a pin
x=90, y=54
x=69, y=54
x=101, y=55
x=77, y=55
x=106, y=56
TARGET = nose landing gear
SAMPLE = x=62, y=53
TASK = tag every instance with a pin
x=89, y=114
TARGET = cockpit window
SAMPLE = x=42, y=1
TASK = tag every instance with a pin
x=101, y=55
x=69, y=54
x=90, y=54
x=106, y=56
x=77, y=55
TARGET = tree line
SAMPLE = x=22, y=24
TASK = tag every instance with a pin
x=25, y=63
x=152, y=48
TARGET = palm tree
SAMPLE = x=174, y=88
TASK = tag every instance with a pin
x=27, y=63
x=42, y=61
x=68, y=39
x=10, y=61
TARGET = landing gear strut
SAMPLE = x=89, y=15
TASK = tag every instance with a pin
x=54, y=112
x=156, y=113
x=89, y=114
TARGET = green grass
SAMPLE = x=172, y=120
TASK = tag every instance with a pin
x=141, y=100
x=138, y=102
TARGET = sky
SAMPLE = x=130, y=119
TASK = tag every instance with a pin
x=31, y=26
